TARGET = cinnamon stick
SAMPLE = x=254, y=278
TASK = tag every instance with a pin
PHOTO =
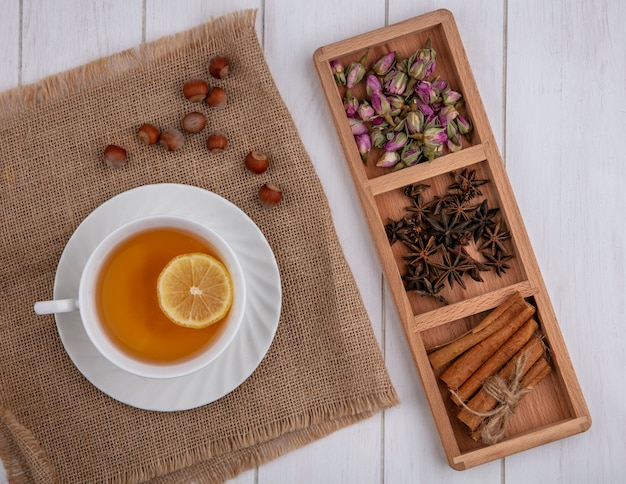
x=533, y=377
x=495, y=320
x=497, y=361
x=472, y=359
x=537, y=372
x=483, y=402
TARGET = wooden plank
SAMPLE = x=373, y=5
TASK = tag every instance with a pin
x=292, y=32
x=59, y=36
x=162, y=18
x=10, y=40
x=576, y=226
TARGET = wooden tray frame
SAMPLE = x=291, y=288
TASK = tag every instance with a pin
x=556, y=408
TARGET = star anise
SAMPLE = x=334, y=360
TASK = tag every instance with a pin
x=453, y=267
x=447, y=228
x=420, y=254
x=415, y=191
x=432, y=289
x=413, y=277
x=412, y=231
x=494, y=239
x=498, y=262
x=438, y=203
x=483, y=218
x=393, y=229
x=477, y=266
x=419, y=209
x=465, y=238
x=438, y=231
x=466, y=184
x=459, y=207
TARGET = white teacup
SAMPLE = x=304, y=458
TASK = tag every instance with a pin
x=86, y=303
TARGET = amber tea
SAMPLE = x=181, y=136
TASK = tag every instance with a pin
x=126, y=297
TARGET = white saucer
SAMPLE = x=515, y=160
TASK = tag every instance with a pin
x=258, y=328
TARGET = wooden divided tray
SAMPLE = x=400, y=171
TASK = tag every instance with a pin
x=555, y=408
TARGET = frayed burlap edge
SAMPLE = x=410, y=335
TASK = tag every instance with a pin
x=26, y=463
x=274, y=440
x=24, y=460
x=101, y=71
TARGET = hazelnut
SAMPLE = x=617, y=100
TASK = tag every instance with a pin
x=217, y=98
x=216, y=142
x=195, y=90
x=115, y=156
x=194, y=122
x=218, y=67
x=256, y=162
x=172, y=139
x=270, y=194
x=148, y=133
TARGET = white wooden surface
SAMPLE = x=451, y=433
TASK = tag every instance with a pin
x=553, y=80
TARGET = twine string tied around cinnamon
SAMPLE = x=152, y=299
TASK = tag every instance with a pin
x=507, y=394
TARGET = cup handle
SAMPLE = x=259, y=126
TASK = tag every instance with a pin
x=56, y=306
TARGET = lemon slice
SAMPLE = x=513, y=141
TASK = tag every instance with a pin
x=195, y=290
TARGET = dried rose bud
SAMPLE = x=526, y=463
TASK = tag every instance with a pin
x=364, y=144
x=464, y=125
x=383, y=65
x=338, y=73
x=372, y=85
x=351, y=105
x=357, y=127
x=400, y=124
x=423, y=62
x=440, y=85
x=396, y=84
x=426, y=92
x=355, y=74
x=411, y=155
x=433, y=152
x=388, y=159
x=380, y=103
x=356, y=71
x=366, y=111
x=396, y=104
x=454, y=143
x=448, y=96
x=378, y=138
x=407, y=113
x=451, y=129
x=434, y=137
x=396, y=141
x=423, y=107
x=447, y=113
x=414, y=122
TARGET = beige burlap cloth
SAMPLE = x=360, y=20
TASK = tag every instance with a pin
x=324, y=369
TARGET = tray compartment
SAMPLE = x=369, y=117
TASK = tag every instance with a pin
x=404, y=46
x=392, y=205
x=541, y=407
